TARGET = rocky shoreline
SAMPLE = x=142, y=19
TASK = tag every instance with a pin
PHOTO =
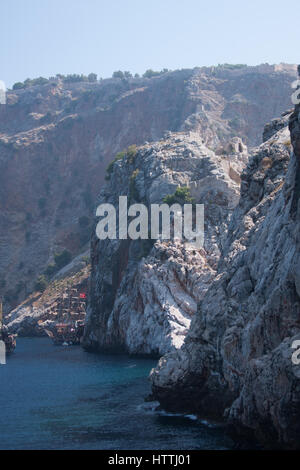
x=236, y=362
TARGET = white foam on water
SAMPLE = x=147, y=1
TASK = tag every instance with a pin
x=149, y=407
x=192, y=417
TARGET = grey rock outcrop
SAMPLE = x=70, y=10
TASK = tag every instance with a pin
x=236, y=363
x=143, y=296
x=275, y=125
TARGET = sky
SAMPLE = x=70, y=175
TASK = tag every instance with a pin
x=46, y=37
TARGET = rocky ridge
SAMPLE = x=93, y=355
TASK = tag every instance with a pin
x=56, y=140
x=236, y=362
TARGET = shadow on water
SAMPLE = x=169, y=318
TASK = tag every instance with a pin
x=64, y=398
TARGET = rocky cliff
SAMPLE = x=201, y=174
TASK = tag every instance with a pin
x=236, y=363
x=143, y=296
x=56, y=140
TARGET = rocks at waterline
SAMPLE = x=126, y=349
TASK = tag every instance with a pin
x=236, y=363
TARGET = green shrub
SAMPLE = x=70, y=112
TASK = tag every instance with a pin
x=86, y=259
x=18, y=86
x=30, y=82
x=39, y=81
x=74, y=78
x=152, y=73
x=118, y=74
x=41, y=283
x=110, y=166
x=50, y=270
x=131, y=153
x=62, y=259
x=181, y=196
x=92, y=77
x=122, y=75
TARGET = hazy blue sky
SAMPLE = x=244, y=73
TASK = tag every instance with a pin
x=45, y=37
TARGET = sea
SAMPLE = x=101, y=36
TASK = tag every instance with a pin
x=61, y=397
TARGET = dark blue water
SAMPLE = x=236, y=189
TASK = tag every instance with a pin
x=64, y=398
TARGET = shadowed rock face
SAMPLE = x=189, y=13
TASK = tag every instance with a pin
x=143, y=296
x=236, y=363
x=57, y=139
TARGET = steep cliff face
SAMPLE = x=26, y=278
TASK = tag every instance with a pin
x=143, y=296
x=236, y=362
x=57, y=139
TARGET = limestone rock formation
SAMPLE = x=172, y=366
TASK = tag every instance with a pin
x=56, y=140
x=143, y=296
x=236, y=363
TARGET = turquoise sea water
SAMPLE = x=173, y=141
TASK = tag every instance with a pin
x=54, y=397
